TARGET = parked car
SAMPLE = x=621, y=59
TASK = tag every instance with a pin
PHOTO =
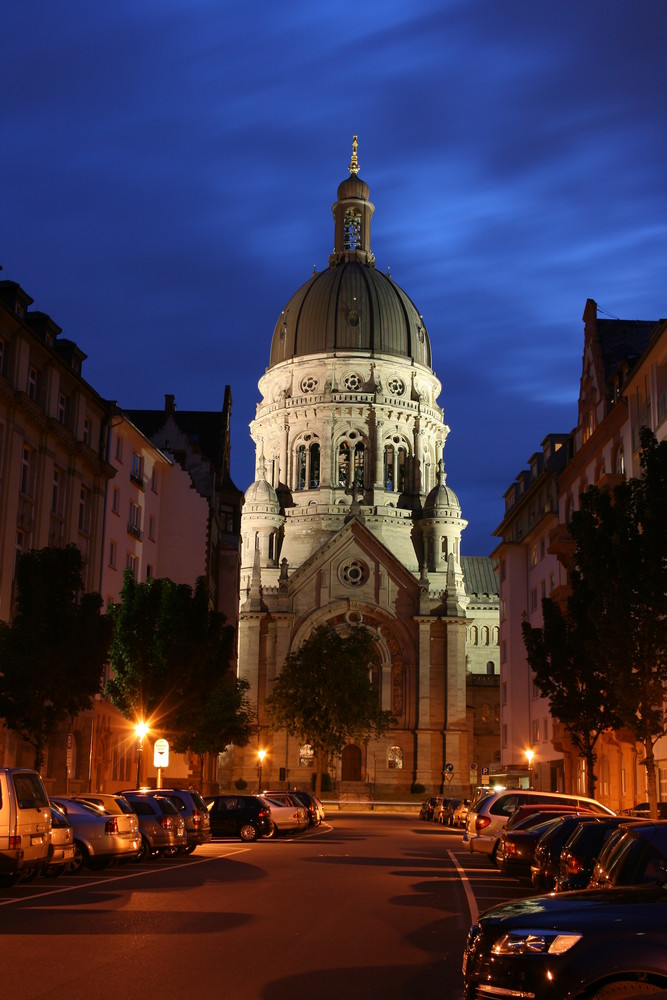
x=113, y=802
x=460, y=814
x=243, y=816
x=25, y=823
x=192, y=808
x=579, y=853
x=100, y=837
x=439, y=809
x=488, y=817
x=161, y=825
x=636, y=855
x=596, y=944
x=61, y=853
x=546, y=859
x=446, y=811
x=288, y=814
x=428, y=807
x=516, y=850
x=642, y=810
x=525, y=816
x=312, y=803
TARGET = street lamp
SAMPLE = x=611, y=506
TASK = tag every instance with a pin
x=529, y=756
x=261, y=754
x=140, y=729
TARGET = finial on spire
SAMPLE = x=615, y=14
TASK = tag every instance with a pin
x=354, y=162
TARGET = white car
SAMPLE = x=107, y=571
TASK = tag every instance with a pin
x=287, y=813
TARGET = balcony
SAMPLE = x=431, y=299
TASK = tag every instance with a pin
x=135, y=531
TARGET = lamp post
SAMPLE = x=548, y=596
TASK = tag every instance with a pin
x=529, y=757
x=140, y=729
x=261, y=754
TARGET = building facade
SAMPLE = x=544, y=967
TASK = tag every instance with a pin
x=351, y=520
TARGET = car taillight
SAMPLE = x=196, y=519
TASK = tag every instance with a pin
x=482, y=822
x=111, y=826
x=14, y=843
x=196, y=819
x=509, y=849
x=166, y=822
x=263, y=812
x=574, y=865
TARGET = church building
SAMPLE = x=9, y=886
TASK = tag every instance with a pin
x=350, y=520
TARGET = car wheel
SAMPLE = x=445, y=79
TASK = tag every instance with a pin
x=145, y=852
x=494, y=855
x=248, y=832
x=189, y=849
x=30, y=874
x=80, y=858
x=53, y=871
x=616, y=991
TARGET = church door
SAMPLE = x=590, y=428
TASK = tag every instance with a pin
x=351, y=763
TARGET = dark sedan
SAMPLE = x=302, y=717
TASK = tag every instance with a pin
x=516, y=848
x=244, y=816
x=546, y=861
x=596, y=944
x=580, y=851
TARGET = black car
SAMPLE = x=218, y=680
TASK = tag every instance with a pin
x=580, y=851
x=596, y=944
x=516, y=848
x=634, y=855
x=426, y=809
x=312, y=804
x=546, y=860
x=242, y=816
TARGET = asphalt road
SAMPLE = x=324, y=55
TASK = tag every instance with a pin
x=367, y=905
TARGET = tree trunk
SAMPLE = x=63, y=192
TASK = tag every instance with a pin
x=591, y=777
x=321, y=759
x=651, y=787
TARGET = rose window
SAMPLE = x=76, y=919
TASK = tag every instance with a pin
x=309, y=384
x=352, y=382
x=354, y=573
x=396, y=386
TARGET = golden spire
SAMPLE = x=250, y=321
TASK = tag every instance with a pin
x=354, y=162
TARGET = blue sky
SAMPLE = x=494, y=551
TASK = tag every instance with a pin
x=169, y=169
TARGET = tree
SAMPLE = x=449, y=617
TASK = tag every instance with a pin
x=569, y=674
x=170, y=655
x=52, y=655
x=610, y=649
x=324, y=694
x=621, y=551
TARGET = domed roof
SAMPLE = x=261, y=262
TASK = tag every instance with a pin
x=351, y=306
x=441, y=499
x=261, y=492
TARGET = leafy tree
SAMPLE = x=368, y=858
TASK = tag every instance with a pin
x=170, y=655
x=621, y=550
x=52, y=655
x=324, y=693
x=569, y=674
x=610, y=648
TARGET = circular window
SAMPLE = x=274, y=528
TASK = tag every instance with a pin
x=396, y=386
x=352, y=382
x=309, y=384
x=354, y=573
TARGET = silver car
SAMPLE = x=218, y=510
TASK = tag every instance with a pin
x=100, y=837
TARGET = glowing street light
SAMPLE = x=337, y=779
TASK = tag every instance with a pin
x=140, y=729
x=529, y=757
x=261, y=754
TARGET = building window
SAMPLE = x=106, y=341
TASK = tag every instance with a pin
x=485, y=635
x=137, y=469
x=490, y=668
x=536, y=731
x=84, y=510
x=301, y=467
x=26, y=481
x=552, y=581
x=589, y=424
x=151, y=527
x=533, y=599
x=86, y=431
x=351, y=229
x=119, y=449
x=395, y=758
x=620, y=462
x=134, y=520
x=112, y=554
x=306, y=755
x=132, y=563
x=33, y=380
x=473, y=635
x=394, y=466
x=63, y=408
x=154, y=479
x=533, y=556
x=115, y=500
x=58, y=492
x=545, y=729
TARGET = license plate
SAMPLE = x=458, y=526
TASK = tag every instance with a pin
x=36, y=841
x=68, y=853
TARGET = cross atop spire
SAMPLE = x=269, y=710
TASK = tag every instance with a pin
x=354, y=162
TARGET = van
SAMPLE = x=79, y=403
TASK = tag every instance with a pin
x=488, y=816
x=25, y=823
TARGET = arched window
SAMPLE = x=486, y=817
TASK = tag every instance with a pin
x=314, y=466
x=352, y=230
x=485, y=636
x=351, y=463
x=394, y=466
x=344, y=464
x=307, y=465
x=490, y=668
x=395, y=758
x=301, y=467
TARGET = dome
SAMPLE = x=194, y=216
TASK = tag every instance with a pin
x=441, y=498
x=263, y=494
x=350, y=307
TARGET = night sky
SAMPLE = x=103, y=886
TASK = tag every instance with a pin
x=168, y=172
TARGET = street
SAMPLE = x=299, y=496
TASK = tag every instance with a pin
x=373, y=905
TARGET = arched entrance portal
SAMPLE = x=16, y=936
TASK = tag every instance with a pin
x=351, y=763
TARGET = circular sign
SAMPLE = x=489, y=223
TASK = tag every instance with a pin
x=449, y=768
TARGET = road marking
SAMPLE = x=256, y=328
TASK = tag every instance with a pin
x=472, y=903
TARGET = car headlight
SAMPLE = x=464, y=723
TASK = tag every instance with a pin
x=529, y=942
